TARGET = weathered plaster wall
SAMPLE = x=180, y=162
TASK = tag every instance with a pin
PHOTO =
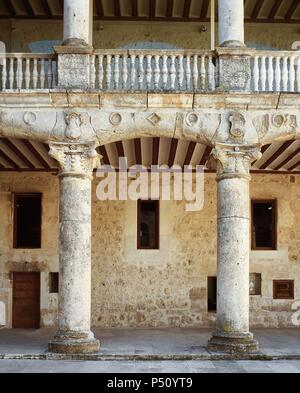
x=18, y=35
x=154, y=288
x=44, y=260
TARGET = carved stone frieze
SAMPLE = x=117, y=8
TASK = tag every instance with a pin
x=272, y=126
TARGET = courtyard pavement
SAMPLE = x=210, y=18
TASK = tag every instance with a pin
x=149, y=344
x=146, y=367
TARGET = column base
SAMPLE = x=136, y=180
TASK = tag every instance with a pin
x=69, y=342
x=233, y=343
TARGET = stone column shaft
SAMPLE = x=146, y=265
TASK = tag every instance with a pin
x=231, y=23
x=77, y=22
x=74, y=334
x=233, y=178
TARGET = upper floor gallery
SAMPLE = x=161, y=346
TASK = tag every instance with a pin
x=190, y=46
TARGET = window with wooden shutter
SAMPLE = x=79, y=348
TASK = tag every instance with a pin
x=283, y=289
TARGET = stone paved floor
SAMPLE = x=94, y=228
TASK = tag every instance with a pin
x=150, y=341
x=156, y=367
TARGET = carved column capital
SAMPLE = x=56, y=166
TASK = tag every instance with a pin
x=235, y=161
x=75, y=159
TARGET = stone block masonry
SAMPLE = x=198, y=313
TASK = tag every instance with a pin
x=165, y=288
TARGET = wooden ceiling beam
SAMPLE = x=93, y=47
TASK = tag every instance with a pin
x=134, y=8
x=10, y=7
x=47, y=8
x=117, y=8
x=206, y=155
x=294, y=166
x=277, y=154
x=155, y=151
x=103, y=153
x=292, y=9
x=18, y=153
x=120, y=149
x=99, y=8
x=36, y=154
x=138, y=151
x=204, y=9
x=275, y=9
x=173, y=151
x=257, y=8
x=190, y=153
x=288, y=159
x=10, y=162
x=187, y=8
x=170, y=7
x=152, y=9
x=28, y=8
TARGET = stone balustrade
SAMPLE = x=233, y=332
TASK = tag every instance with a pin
x=156, y=71
x=27, y=71
x=163, y=70
x=274, y=71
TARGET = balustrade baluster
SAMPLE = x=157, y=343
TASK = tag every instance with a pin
x=180, y=72
x=141, y=72
x=27, y=74
x=100, y=72
x=165, y=72
x=116, y=72
x=133, y=72
x=292, y=75
x=125, y=72
x=11, y=72
x=156, y=72
x=4, y=73
x=285, y=74
x=256, y=74
x=93, y=71
x=188, y=73
x=195, y=73
x=202, y=73
x=108, y=72
x=263, y=73
x=270, y=73
x=149, y=72
x=42, y=74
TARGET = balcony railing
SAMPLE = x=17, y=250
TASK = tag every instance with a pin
x=276, y=71
x=137, y=70
x=152, y=71
x=27, y=71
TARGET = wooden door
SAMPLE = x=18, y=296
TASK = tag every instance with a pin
x=26, y=300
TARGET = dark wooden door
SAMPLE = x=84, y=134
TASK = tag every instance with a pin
x=26, y=300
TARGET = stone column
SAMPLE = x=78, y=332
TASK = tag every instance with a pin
x=77, y=162
x=231, y=23
x=232, y=335
x=77, y=22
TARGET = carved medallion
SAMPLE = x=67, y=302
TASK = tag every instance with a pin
x=29, y=118
x=115, y=119
x=192, y=119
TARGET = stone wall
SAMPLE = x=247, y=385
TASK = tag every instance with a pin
x=154, y=288
x=24, y=36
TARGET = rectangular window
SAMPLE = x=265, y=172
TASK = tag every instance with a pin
x=283, y=289
x=53, y=283
x=148, y=225
x=255, y=284
x=264, y=231
x=27, y=220
x=212, y=294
